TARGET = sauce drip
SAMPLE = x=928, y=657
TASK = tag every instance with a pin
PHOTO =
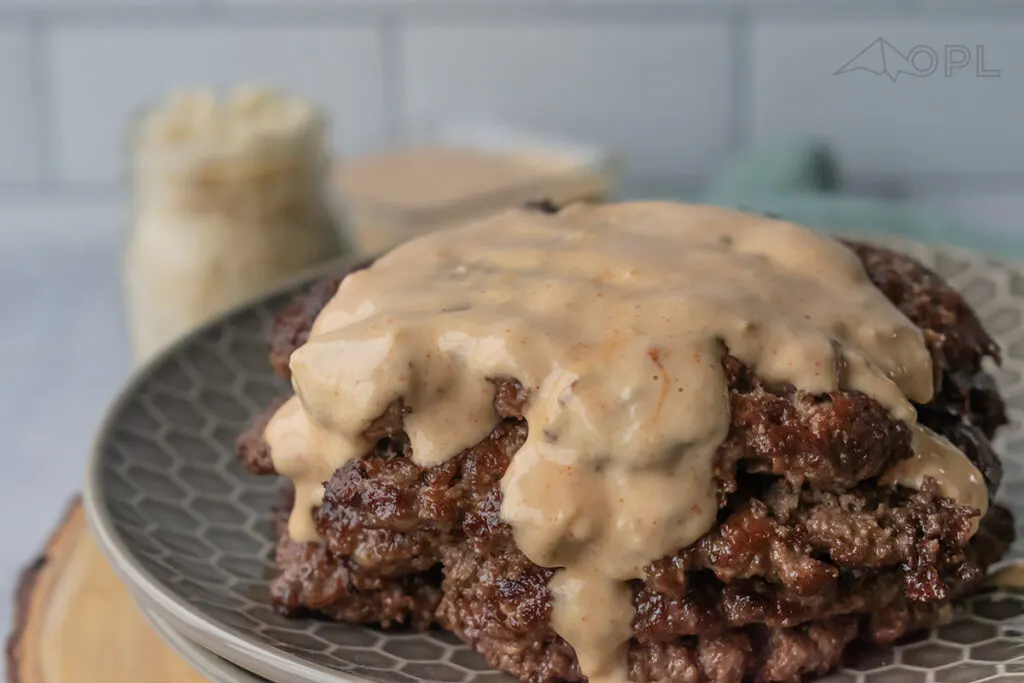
x=616, y=319
x=935, y=457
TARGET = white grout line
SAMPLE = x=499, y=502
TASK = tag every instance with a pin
x=867, y=184
x=200, y=12
x=980, y=9
x=106, y=237
x=349, y=10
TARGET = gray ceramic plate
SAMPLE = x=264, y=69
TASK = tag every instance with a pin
x=190, y=531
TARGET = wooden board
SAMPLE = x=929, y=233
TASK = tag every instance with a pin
x=76, y=622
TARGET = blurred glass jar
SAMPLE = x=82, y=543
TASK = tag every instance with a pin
x=230, y=198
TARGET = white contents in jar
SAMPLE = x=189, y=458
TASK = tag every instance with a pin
x=230, y=197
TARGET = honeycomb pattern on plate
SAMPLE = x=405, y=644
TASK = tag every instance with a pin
x=200, y=525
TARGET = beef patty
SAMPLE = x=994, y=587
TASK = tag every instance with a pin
x=809, y=552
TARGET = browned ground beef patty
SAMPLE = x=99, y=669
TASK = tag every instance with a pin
x=809, y=552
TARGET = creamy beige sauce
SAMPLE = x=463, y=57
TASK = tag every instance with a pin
x=935, y=457
x=615, y=318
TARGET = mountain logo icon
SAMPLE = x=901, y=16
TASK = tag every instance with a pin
x=881, y=57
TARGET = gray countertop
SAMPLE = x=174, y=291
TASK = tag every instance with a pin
x=65, y=355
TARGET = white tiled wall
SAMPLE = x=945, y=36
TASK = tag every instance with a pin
x=582, y=79
x=677, y=85
x=102, y=74
x=951, y=121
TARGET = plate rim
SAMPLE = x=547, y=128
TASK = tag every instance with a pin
x=114, y=547
x=226, y=640
x=206, y=662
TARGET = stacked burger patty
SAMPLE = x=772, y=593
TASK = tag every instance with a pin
x=810, y=551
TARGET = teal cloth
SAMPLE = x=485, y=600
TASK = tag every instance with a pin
x=782, y=168
x=799, y=180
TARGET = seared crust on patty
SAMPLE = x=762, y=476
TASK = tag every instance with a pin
x=809, y=552
x=499, y=604
x=311, y=580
